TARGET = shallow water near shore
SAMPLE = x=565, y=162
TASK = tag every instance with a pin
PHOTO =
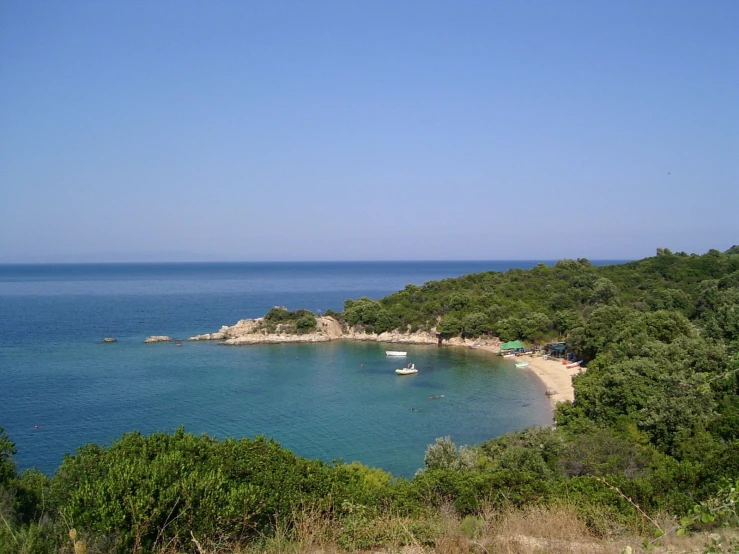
x=338, y=400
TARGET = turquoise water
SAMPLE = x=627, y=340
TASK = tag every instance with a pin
x=340, y=400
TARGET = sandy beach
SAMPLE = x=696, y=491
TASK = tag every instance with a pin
x=555, y=376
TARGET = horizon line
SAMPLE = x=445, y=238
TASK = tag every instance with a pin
x=480, y=260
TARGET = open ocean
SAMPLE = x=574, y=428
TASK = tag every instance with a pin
x=339, y=400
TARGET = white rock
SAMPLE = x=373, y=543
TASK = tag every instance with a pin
x=158, y=338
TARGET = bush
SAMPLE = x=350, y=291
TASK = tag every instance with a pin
x=306, y=324
x=155, y=490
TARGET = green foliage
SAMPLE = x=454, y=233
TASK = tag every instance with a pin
x=536, y=451
x=157, y=489
x=299, y=321
x=604, y=291
x=566, y=320
x=449, y=325
x=306, y=323
x=476, y=324
x=443, y=454
x=515, y=301
x=601, y=451
x=369, y=314
x=7, y=465
x=654, y=426
x=721, y=508
x=278, y=314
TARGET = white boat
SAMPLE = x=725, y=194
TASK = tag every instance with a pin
x=522, y=364
x=395, y=353
x=509, y=355
x=410, y=369
x=574, y=364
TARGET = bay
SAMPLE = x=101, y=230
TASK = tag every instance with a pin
x=60, y=389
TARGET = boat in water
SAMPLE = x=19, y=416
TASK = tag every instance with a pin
x=522, y=364
x=395, y=353
x=410, y=369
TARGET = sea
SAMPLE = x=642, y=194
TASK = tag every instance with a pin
x=60, y=388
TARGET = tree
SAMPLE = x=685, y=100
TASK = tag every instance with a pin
x=443, y=454
x=602, y=325
x=476, y=324
x=604, y=291
x=535, y=325
x=509, y=328
x=369, y=313
x=306, y=323
x=449, y=326
x=564, y=320
x=7, y=465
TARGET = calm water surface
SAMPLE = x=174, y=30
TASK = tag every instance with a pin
x=331, y=401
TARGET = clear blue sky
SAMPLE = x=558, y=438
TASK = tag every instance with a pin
x=367, y=130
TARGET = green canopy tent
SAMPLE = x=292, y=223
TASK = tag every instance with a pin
x=512, y=345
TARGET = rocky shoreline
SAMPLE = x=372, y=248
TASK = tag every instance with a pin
x=251, y=331
x=254, y=331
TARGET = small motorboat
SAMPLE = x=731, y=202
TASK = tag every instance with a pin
x=574, y=364
x=522, y=364
x=395, y=353
x=410, y=369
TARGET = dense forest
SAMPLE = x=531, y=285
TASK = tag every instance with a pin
x=652, y=436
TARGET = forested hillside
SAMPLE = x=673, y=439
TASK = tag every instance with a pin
x=653, y=432
x=546, y=302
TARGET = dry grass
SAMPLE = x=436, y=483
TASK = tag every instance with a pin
x=555, y=530
x=534, y=530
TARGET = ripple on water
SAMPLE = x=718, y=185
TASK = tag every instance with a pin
x=331, y=401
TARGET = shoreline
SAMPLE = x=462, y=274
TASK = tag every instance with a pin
x=552, y=373
x=556, y=377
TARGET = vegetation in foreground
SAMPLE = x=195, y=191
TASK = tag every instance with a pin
x=649, y=447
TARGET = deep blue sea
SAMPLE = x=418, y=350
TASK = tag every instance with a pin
x=60, y=389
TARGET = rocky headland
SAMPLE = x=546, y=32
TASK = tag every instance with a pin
x=254, y=331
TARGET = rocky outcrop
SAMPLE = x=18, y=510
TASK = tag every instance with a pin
x=219, y=335
x=252, y=331
x=393, y=336
x=474, y=343
x=242, y=328
x=275, y=338
x=422, y=337
x=158, y=338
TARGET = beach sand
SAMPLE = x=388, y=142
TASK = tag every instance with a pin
x=555, y=376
